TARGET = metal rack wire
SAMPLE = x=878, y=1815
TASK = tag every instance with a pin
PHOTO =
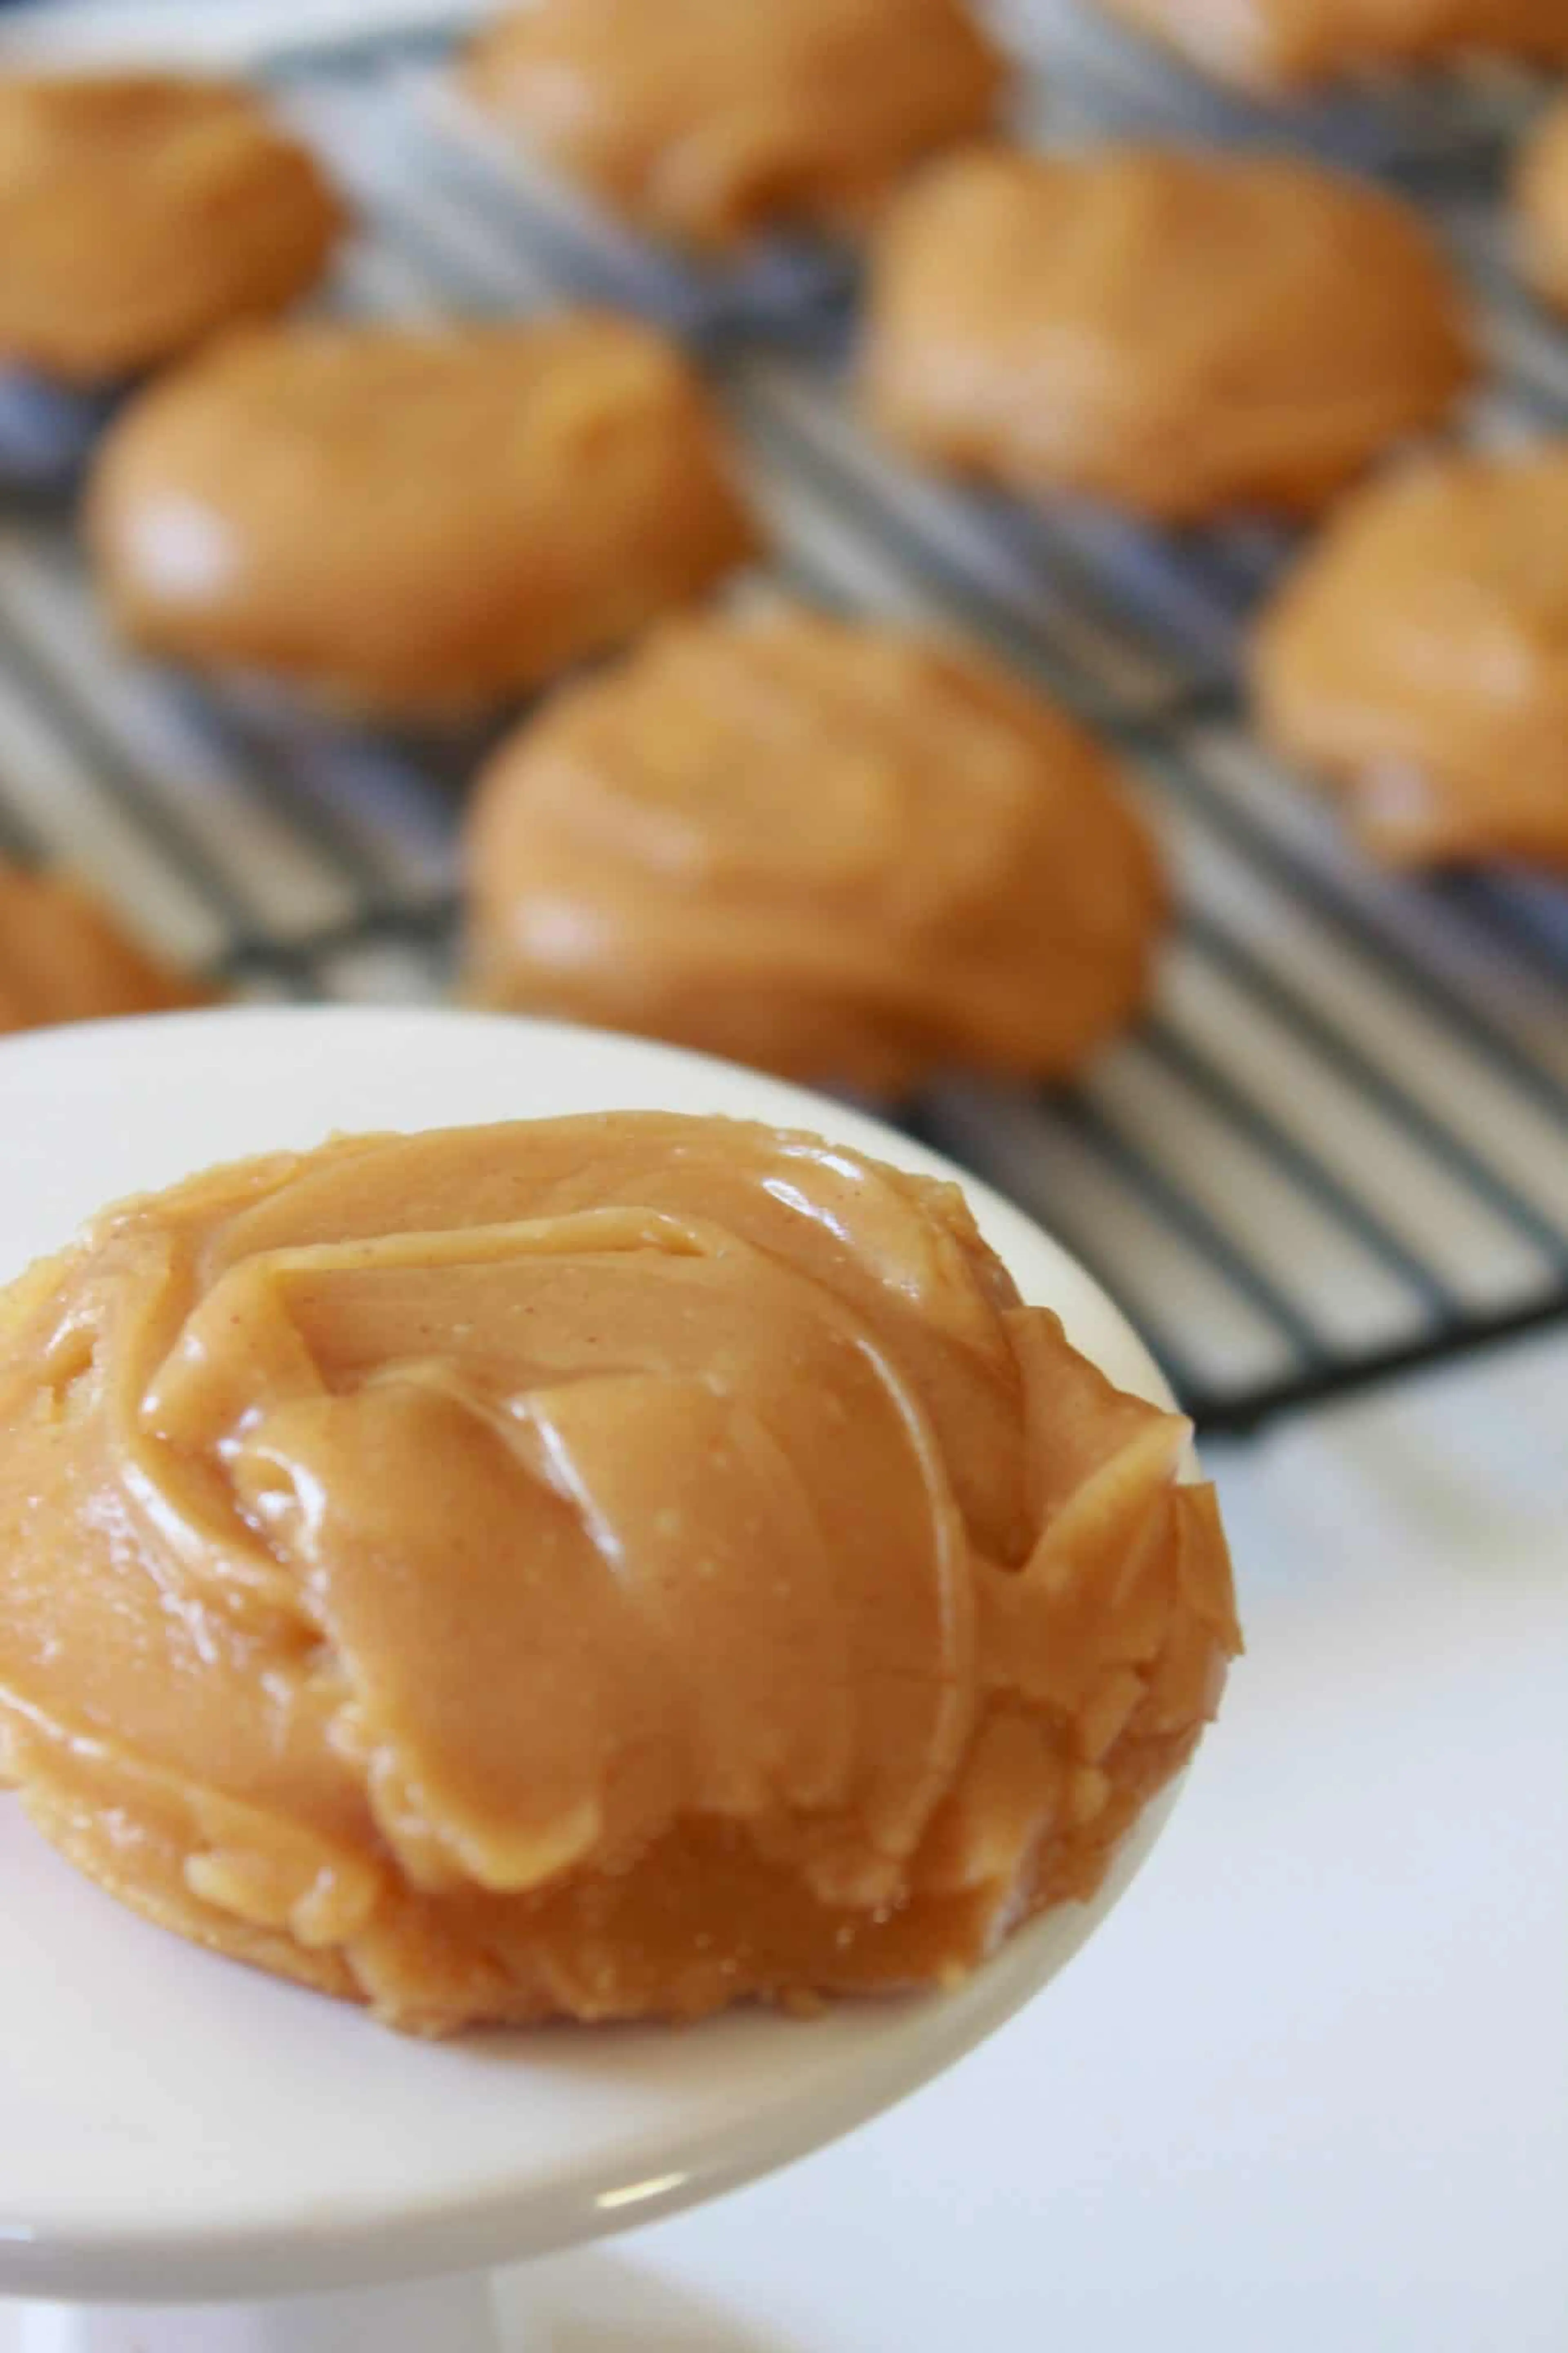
x=1337, y=1149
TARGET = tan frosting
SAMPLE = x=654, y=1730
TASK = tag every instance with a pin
x=832, y=850
x=64, y=958
x=1175, y=332
x=139, y=213
x=609, y=1566
x=1542, y=201
x=410, y=520
x=706, y=121
x=1280, y=45
x=1420, y=656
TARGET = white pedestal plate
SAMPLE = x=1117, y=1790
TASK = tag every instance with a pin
x=194, y=2159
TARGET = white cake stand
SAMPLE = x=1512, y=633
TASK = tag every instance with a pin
x=195, y=2156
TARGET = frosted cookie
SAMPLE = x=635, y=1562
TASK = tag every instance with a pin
x=1275, y=48
x=706, y=122
x=139, y=214
x=1541, y=204
x=1418, y=658
x=838, y=851
x=600, y=1567
x=1175, y=333
x=412, y=520
x=65, y=958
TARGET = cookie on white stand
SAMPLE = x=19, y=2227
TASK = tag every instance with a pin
x=196, y=2159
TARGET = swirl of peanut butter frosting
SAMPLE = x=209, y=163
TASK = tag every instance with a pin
x=840, y=851
x=605, y=1567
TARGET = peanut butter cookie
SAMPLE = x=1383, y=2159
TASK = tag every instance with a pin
x=600, y=1567
x=837, y=850
x=414, y=521
x=706, y=121
x=1179, y=335
x=1419, y=660
x=141, y=213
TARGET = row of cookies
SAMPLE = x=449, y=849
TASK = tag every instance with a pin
x=1179, y=335
x=830, y=849
x=749, y=835
x=1185, y=337
x=834, y=849
x=299, y=512
x=709, y=124
x=141, y=214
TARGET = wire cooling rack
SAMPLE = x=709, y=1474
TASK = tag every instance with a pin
x=1337, y=1148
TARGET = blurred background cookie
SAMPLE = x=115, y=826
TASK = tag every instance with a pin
x=706, y=121
x=65, y=958
x=1275, y=48
x=834, y=849
x=409, y=521
x=1540, y=189
x=1419, y=658
x=1178, y=334
x=139, y=214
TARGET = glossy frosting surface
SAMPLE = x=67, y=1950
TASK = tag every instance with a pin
x=609, y=1566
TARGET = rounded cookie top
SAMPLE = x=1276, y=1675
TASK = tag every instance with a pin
x=608, y=1567
x=64, y=958
x=1419, y=656
x=411, y=520
x=1176, y=334
x=1540, y=193
x=141, y=213
x=1278, y=47
x=838, y=850
x=705, y=122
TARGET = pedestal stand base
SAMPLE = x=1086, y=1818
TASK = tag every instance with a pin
x=451, y=2316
